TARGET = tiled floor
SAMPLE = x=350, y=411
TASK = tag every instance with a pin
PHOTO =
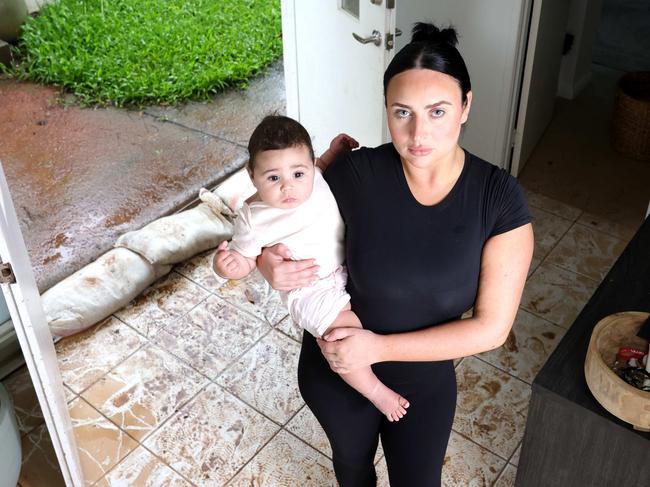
x=194, y=382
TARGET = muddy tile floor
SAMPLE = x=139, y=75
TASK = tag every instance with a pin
x=194, y=382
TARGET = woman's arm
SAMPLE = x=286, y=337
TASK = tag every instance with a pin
x=504, y=266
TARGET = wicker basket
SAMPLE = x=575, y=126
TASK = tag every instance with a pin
x=631, y=124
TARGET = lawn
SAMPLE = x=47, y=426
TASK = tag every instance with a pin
x=139, y=52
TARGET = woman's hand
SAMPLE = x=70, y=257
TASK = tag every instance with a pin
x=347, y=349
x=284, y=274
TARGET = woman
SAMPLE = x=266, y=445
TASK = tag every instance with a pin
x=431, y=231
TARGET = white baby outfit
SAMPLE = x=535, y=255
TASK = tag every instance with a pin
x=313, y=230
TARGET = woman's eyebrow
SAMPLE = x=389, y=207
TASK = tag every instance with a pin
x=432, y=105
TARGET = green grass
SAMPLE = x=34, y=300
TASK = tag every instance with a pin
x=139, y=52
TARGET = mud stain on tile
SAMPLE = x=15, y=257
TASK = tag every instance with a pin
x=211, y=336
x=548, y=229
x=286, y=462
x=527, y=347
x=468, y=464
x=199, y=270
x=254, y=295
x=290, y=328
x=491, y=407
x=557, y=295
x=209, y=439
x=85, y=357
x=167, y=299
x=266, y=377
x=587, y=252
x=550, y=205
x=142, y=469
x=507, y=477
x=144, y=390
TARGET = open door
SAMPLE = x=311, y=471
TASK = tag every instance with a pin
x=24, y=303
x=335, y=53
x=334, y=83
x=540, y=77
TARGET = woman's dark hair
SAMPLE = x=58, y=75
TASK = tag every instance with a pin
x=277, y=132
x=431, y=48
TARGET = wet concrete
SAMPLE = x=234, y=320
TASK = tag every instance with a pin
x=79, y=178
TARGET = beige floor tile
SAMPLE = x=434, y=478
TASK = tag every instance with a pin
x=199, y=270
x=209, y=439
x=468, y=465
x=85, y=357
x=211, y=336
x=142, y=469
x=550, y=205
x=515, y=456
x=100, y=443
x=529, y=344
x=382, y=474
x=305, y=426
x=507, y=477
x=587, y=252
x=557, y=295
x=286, y=462
x=167, y=299
x=40, y=467
x=548, y=229
x=253, y=294
x=21, y=390
x=144, y=390
x=491, y=407
x=534, y=264
x=290, y=328
x=266, y=377
x=601, y=224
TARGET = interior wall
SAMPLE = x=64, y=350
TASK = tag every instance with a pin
x=575, y=70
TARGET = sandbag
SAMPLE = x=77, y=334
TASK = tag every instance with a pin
x=98, y=290
x=177, y=237
x=235, y=190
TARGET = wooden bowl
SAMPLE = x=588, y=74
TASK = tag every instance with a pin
x=624, y=401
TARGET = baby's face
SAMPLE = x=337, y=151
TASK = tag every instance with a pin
x=284, y=178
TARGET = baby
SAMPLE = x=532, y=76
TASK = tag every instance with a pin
x=294, y=206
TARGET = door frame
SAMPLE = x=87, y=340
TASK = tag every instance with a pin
x=26, y=310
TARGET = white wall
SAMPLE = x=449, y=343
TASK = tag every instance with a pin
x=575, y=70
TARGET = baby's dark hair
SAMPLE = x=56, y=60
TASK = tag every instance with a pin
x=431, y=48
x=277, y=132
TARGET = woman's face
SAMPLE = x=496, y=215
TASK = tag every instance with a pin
x=425, y=112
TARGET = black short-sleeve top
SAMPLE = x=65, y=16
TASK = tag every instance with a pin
x=411, y=266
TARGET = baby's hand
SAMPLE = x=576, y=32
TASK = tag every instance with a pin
x=225, y=262
x=341, y=144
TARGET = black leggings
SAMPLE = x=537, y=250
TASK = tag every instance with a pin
x=414, y=446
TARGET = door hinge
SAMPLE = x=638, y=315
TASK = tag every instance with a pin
x=6, y=274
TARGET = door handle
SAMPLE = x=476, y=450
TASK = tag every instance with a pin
x=375, y=38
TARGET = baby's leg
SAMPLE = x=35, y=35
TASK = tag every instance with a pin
x=365, y=381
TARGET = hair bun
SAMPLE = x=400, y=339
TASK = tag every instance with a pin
x=423, y=32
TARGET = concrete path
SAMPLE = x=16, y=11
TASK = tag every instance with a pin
x=79, y=178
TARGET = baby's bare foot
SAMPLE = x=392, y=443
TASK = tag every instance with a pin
x=389, y=402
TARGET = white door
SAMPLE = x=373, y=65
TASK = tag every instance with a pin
x=24, y=303
x=540, y=79
x=334, y=84
x=334, y=81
